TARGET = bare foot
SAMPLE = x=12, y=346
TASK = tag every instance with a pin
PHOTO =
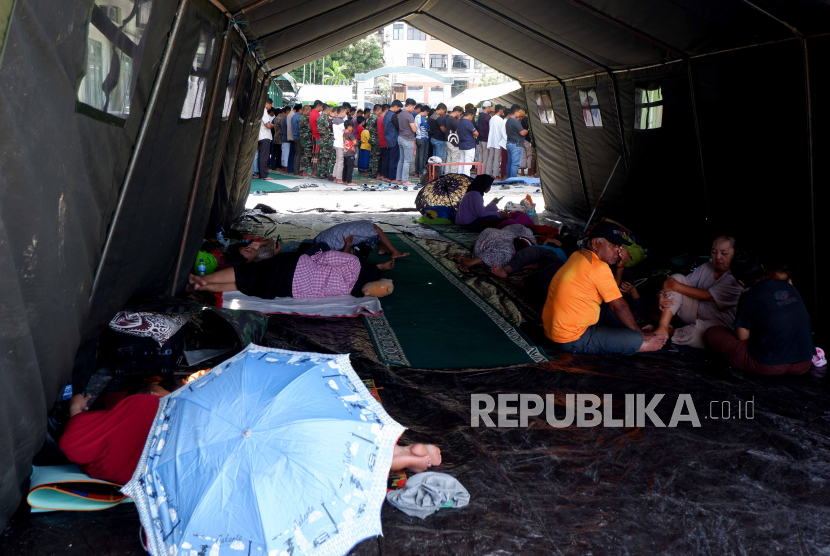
x=431, y=450
x=498, y=271
x=397, y=254
x=464, y=264
x=388, y=265
x=654, y=343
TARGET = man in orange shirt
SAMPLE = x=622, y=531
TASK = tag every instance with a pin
x=585, y=311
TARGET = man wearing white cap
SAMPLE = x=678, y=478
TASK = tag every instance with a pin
x=483, y=127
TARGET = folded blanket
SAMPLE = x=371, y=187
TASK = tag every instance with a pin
x=339, y=306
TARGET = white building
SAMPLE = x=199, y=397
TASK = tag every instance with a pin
x=403, y=45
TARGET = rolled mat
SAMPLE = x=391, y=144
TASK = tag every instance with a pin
x=337, y=306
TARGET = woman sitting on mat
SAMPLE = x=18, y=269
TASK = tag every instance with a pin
x=495, y=247
x=107, y=444
x=252, y=252
x=365, y=235
x=323, y=274
x=707, y=297
x=472, y=214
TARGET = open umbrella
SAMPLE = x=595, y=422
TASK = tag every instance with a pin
x=443, y=191
x=271, y=453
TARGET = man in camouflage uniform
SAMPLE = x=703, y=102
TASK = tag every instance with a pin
x=374, y=142
x=305, y=140
x=325, y=162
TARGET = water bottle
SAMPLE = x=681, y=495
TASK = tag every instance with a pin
x=201, y=268
x=67, y=391
x=219, y=236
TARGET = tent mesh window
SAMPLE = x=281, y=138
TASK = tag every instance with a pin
x=544, y=107
x=233, y=77
x=114, y=49
x=590, y=107
x=245, y=92
x=397, y=32
x=648, y=107
x=415, y=60
x=197, y=81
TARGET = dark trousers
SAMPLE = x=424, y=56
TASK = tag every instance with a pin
x=421, y=155
x=291, y=154
x=348, y=168
x=298, y=155
x=264, y=153
x=383, y=166
x=276, y=152
x=393, y=154
x=723, y=341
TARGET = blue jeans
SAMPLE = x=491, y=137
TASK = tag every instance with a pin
x=405, y=147
x=607, y=337
x=439, y=149
x=256, y=161
x=514, y=157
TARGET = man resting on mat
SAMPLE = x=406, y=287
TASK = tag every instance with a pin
x=361, y=236
x=323, y=274
x=107, y=444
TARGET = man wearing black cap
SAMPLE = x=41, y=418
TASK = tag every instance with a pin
x=585, y=311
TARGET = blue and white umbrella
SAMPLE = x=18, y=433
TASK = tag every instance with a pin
x=271, y=453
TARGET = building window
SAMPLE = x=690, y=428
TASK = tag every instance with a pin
x=114, y=48
x=413, y=34
x=194, y=102
x=458, y=86
x=648, y=107
x=233, y=77
x=544, y=107
x=460, y=63
x=477, y=64
x=438, y=61
x=415, y=60
x=590, y=107
x=397, y=32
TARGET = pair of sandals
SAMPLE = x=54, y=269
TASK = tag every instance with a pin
x=259, y=193
x=306, y=185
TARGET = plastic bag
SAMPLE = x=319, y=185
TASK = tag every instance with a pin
x=529, y=206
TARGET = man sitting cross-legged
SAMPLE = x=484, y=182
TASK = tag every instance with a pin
x=324, y=274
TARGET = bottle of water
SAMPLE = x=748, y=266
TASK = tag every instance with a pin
x=67, y=391
x=219, y=236
x=201, y=268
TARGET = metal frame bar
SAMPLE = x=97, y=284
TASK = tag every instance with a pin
x=576, y=147
x=339, y=29
x=139, y=143
x=199, y=163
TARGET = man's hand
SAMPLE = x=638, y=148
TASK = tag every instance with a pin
x=77, y=404
x=665, y=302
x=626, y=287
x=625, y=256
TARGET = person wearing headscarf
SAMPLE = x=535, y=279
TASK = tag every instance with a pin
x=473, y=214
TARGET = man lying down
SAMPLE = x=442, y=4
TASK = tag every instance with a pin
x=323, y=274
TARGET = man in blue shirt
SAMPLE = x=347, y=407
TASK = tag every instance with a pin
x=421, y=139
x=390, y=132
x=467, y=134
x=297, y=145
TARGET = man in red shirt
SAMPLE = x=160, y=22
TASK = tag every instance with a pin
x=383, y=163
x=315, y=135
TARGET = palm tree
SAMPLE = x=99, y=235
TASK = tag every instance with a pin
x=334, y=74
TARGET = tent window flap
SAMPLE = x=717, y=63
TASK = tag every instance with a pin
x=590, y=107
x=197, y=81
x=648, y=107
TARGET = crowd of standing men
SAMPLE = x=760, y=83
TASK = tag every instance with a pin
x=393, y=141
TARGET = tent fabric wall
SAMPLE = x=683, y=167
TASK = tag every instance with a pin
x=61, y=175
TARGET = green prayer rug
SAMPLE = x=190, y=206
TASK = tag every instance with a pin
x=270, y=186
x=434, y=321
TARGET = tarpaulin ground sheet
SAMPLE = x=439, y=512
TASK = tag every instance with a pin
x=433, y=320
x=732, y=486
x=270, y=186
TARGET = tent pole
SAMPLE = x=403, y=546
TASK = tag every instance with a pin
x=576, y=148
x=199, y=163
x=139, y=143
x=699, y=143
x=619, y=118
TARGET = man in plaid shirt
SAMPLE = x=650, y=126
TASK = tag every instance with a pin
x=323, y=274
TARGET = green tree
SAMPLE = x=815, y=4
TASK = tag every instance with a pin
x=363, y=56
x=492, y=77
x=334, y=74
